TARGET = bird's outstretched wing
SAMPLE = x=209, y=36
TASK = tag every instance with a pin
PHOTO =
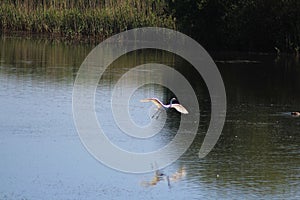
x=157, y=102
x=180, y=108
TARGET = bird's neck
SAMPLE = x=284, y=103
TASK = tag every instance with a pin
x=171, y=102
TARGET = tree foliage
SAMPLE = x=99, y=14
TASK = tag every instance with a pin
x=251, y=25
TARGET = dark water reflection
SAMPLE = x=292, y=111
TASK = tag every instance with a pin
x=257, y=155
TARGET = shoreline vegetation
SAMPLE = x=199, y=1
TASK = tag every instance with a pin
x=218, y=25
x=80, y=19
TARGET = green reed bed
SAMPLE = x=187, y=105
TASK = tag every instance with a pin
x=75, y=21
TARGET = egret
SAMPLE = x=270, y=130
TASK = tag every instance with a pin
x=173, y=104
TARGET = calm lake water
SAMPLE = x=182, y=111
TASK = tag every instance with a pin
x=42, y=157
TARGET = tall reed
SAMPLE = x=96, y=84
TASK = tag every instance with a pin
x=81, y=18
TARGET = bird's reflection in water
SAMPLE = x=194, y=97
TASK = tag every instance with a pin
x=160, y=176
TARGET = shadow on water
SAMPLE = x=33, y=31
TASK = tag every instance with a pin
x=40, y=58
x=257, y=155
x=258, y=152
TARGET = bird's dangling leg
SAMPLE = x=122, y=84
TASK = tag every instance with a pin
x=156, y=114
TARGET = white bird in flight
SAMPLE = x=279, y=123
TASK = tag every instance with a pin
x=160, y=105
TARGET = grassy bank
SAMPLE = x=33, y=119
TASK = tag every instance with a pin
x=82, y=18
x=218, y=25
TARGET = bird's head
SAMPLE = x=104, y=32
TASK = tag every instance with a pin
x=173, y=100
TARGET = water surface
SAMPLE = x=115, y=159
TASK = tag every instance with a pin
x=42, y=157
